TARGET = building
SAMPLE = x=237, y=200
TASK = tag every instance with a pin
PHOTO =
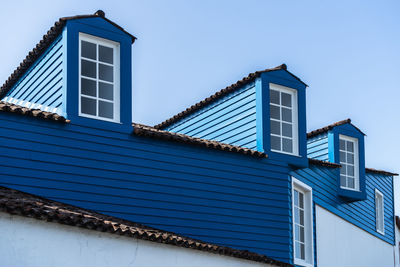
x=237, y=169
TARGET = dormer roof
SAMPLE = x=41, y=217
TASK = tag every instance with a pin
x=330, y=127
x=46, y=41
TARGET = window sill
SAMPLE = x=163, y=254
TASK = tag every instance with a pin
x=303, y=263
x=380, y=232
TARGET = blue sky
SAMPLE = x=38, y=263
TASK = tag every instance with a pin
x=348, y=52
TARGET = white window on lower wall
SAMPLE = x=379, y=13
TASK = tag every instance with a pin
x=302, y=210
x=379, y=210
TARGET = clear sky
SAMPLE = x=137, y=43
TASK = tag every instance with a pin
x=348, y=52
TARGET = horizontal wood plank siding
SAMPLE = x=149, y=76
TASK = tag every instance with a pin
x=231, y=120
x=220, y=197
x=323, y=180
x=43, y=83
x=317, y=147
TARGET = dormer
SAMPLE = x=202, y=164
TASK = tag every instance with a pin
x=342, y=143
x=81, y=70
x=265, y=111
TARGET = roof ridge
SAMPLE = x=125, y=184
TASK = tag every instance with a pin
x=330, y=127
x=44, y=44
x=144, y=130
x=229, y=89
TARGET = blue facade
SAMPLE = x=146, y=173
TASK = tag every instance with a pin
x=220, y=197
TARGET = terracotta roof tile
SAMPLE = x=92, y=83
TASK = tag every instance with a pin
x=23, y=204
x=42, y=46
x=8, y=107
x=148, y=131
x=330, y=127
x=219, y=94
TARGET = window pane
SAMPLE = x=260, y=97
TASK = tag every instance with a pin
x=302, y=251
x=106, y=73
x=274, y=110
x=342, y=156
x=88, y=87
x=297, y=250
x=286, y=100
x=275, y=143
x=296, y=198
x=88, y=106
x=350, y=170
x=88, y=50
x=297, y=232
x=106, y=91
x=286, y=129
x=287, y=145
x=343, y=181
x=106, y=54
x=350, y=146
x=350, y=158
x=343, y=169
x=350, y=182
x=302, y=234
x=88, y=68
x=274, y=96
x=296, y=216
x=301, y=217
x=342, y=144
x=106, y=109
x=287, y=114
x=301, y=200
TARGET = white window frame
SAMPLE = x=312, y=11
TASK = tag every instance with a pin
x=356, y=162
x=379, y=213
x=308, y=223
x=295, y=130
x=116, y=83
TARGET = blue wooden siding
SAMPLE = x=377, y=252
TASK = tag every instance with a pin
x=231, y=120
x=221, y=197
x=317, y=147
x=43, y=84
x=323, y=180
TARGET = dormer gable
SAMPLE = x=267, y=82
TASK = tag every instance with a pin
x=51, y=78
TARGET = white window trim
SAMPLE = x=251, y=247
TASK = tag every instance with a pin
x=356, y=162
x=379, y=193
x=295, y=115
x=117, y=73
x=308, y=223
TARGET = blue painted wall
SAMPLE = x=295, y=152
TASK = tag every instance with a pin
x=43, y=84
x=230, y=120
x=221, y=197
x=318, y=148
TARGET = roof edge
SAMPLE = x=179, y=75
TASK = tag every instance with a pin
x=371, y=170
x=330, y=127
x=323, y=163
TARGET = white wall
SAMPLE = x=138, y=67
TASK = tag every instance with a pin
x=397, y=248
x=34, y=243
x=340, y=243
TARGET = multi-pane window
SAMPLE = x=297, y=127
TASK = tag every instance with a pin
x=299, y=231
x=98, y=78
x=302, y=223
x=348, y=149
x=283, y=122
x=379, y=210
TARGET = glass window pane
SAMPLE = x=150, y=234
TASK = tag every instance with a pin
x=343, y=169
x=342, y=144
x=296, y=216
x=287, y=114
x=350, y=170
x=286, y=100
x=88, y=68
x=88, y=87
x=274, y=110
x=302, y=234
x=343, y=180
x=106, y=91
x=350, y=182
x=350, y=146
x=287, y=145
x=297, y=250
x=350, y=158
x=275, y=127
x=275, y=143
x=106, y=109
x=88, y=106
x=301, y=217
x=296, y=198
x=301, y=200
x=274, y=96
x=297, y=232
x=106, y=73
x=302, y=251
x=106, y=54
x=88, y=50
x=286, y=129
x=342, y=156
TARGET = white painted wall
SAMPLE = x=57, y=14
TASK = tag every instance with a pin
x=35, y=243
x=397, y=248
x=340, y=243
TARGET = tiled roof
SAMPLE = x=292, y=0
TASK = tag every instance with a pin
x=148, y=131
x=20, y=203
x=220, y=94
x=330, y=127
x=323, y=163
x=8, y=107
x=41, y=47
x=370, y=170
